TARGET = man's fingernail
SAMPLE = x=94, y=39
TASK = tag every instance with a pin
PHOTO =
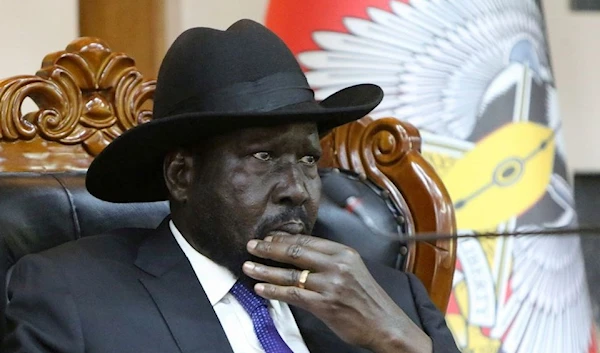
x=249, y=265
x=252, y=244
x=269, y=238
x=259, y=288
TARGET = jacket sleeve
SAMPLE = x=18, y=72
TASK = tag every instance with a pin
x=432, y=319
x=41, y=314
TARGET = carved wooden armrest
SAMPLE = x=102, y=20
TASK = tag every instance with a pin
x=387, y=151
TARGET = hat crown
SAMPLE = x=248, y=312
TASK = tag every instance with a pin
x=207, y=70
x=211, y=82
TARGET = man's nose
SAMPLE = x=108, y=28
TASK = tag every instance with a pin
x=291, y=187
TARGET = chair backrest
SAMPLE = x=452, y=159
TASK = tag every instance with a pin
x=388, y=153
x=88, y=95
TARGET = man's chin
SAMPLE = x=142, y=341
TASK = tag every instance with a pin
x=249, y=281
x=234, y=260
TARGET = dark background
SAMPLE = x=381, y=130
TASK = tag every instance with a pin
x=585, y=4
x=587, y=199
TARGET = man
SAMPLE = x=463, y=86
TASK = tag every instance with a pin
x=233, y=146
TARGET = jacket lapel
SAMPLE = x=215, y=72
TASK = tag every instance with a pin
x=178, y=294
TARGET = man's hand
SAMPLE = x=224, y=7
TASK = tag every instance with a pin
x=339, y=290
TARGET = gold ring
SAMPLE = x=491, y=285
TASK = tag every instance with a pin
x=302, y=279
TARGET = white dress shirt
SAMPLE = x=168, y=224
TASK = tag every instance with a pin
x=217, y=281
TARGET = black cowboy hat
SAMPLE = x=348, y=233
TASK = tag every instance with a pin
x=211, y=82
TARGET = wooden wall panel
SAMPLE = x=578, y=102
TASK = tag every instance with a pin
x=136, y=27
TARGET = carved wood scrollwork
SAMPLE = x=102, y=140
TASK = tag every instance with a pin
x=86, y=96
x=387, y=151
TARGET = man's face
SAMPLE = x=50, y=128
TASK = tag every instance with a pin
x=249, y=184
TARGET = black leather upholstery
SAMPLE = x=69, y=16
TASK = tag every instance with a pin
x=336, y=223
x=40, y=211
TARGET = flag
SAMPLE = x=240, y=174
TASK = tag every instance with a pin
x=475, y=77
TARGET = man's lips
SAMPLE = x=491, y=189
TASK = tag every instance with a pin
x=288, y=228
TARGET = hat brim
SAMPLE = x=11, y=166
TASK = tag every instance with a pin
x=130, y=169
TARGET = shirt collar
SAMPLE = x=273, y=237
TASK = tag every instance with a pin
x=214, y=278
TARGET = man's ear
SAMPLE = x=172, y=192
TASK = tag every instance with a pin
x=178, y=172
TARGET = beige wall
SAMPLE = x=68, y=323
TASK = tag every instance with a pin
x=575, y=47
x=29, y=29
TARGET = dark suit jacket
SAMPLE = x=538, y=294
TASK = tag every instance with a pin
x=134, y=291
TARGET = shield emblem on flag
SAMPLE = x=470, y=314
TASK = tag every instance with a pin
x=475, y=77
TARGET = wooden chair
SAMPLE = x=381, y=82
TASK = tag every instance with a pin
x=88, y=95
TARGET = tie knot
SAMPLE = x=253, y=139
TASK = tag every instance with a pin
x=249, y=300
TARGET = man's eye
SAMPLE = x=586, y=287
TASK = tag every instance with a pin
x=263, y=156
x=309, y=160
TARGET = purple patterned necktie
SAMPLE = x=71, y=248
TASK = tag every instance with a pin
x=264, y=327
